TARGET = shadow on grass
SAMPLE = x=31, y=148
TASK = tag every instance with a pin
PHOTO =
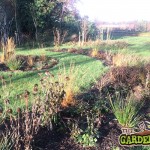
x=35, y=73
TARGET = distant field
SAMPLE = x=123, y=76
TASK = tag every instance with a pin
x=138, y=45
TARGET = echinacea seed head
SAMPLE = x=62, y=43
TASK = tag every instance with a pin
x=9, y=111
x=36, y=85
x=1, y=77
x=1, y=109
x=19, y=110
x=7, y=101
x=56, y=83
x=67, y=78
x=26, y=94
x=41, y=80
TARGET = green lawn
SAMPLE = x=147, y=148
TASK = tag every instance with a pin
x=138, y=45
x=92, y=68
x=21, y=81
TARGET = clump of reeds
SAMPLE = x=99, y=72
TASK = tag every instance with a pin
x=8, y=49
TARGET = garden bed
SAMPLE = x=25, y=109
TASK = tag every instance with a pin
x=94, y=104
x=29, y=63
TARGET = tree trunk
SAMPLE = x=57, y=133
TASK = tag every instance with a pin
x=79, y=39
x=16, y=23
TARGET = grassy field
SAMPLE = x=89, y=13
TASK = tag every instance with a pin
x=138, y=45
x=58, y=87
x=90, y=68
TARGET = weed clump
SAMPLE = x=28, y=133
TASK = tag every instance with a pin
x=8, y=50
x=126, y=111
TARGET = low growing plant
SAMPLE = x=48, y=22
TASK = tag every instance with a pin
x=14, y=64
x=87, y=137
x=85, y=129
x=39, y=65
x=125, y=110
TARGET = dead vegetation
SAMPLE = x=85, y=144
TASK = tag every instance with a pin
x=8, y=49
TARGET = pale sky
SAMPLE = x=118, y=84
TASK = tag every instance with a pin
x=115, y=10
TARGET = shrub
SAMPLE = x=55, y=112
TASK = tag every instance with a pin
x=14, y=64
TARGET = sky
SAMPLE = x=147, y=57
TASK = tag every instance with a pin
x=115, y=10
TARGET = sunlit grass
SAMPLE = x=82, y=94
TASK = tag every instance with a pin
x=21, y=81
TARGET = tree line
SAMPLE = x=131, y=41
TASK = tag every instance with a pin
x=43, y=20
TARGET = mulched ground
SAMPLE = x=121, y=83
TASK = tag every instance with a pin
x=52, y=140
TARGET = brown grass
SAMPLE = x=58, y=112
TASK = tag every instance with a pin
x=121, y=59
x=8, y=49
x=69, y=79
x=144, y=34
x=69, y=98
x=72, y=50
x=2, y=58
x=94, y=53
x=43, y=57
x=30, y=61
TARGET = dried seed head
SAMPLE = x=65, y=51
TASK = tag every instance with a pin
x=26, y=94
x=41, y=80
x=35, y=89
x=9, y=111
x=1, y=77
x=36, y=85
x=17, y=96
x=52, y=75
x=56, y=83
x=7, y=101
x=1, y=109
x=67, y=78
x=19, y=110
